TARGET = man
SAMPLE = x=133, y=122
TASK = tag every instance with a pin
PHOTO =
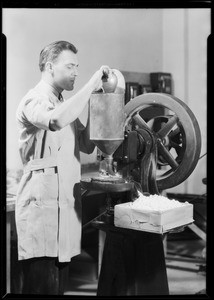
x=48, y=207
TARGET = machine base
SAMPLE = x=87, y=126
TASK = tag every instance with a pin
x=133, y=263
x=97, y=184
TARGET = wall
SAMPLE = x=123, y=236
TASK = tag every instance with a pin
x=125, y=39
x=199, y=30
x=185, y=33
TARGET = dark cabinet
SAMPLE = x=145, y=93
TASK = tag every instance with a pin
x=161, y=82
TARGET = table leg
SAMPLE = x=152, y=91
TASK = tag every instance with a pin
x=8, y=251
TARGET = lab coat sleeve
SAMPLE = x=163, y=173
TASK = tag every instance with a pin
x=36, y=111
x=85, y=144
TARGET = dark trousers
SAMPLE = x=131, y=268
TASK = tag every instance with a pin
x=43, y=276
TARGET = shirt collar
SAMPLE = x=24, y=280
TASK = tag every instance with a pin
x=49, y=89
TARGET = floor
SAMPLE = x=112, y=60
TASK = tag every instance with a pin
x=186, y=267
x=185, y=263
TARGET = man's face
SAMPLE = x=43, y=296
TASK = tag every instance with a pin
x=65, y=70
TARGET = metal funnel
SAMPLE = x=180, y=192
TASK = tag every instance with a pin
x=108, y=146
x=107, y=121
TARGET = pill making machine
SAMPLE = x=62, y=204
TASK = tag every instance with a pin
x=138, y=153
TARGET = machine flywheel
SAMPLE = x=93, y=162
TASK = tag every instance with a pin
x=174, y=131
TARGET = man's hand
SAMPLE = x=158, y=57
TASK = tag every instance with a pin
x=96, y=79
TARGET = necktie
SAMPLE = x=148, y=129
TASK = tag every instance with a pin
x=60, y=98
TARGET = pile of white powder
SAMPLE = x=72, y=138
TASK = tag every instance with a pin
x=155, y=202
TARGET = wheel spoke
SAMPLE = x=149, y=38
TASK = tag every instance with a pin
x=166, y=128
x=174, y=132
x=140, y=121
x=167, y=155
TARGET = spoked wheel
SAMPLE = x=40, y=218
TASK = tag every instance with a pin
x=176, y=136
x=173, y=142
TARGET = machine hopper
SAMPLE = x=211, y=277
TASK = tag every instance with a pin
x=107, y=122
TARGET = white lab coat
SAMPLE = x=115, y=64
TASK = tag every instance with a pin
x=48, y=206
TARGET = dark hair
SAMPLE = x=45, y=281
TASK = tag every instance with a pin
x=52, y=51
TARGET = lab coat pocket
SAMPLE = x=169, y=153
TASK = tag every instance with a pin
x=43, y=221
x=49, y=189
x=49, y=200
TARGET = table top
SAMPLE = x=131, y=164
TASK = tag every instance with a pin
x=10, y=203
